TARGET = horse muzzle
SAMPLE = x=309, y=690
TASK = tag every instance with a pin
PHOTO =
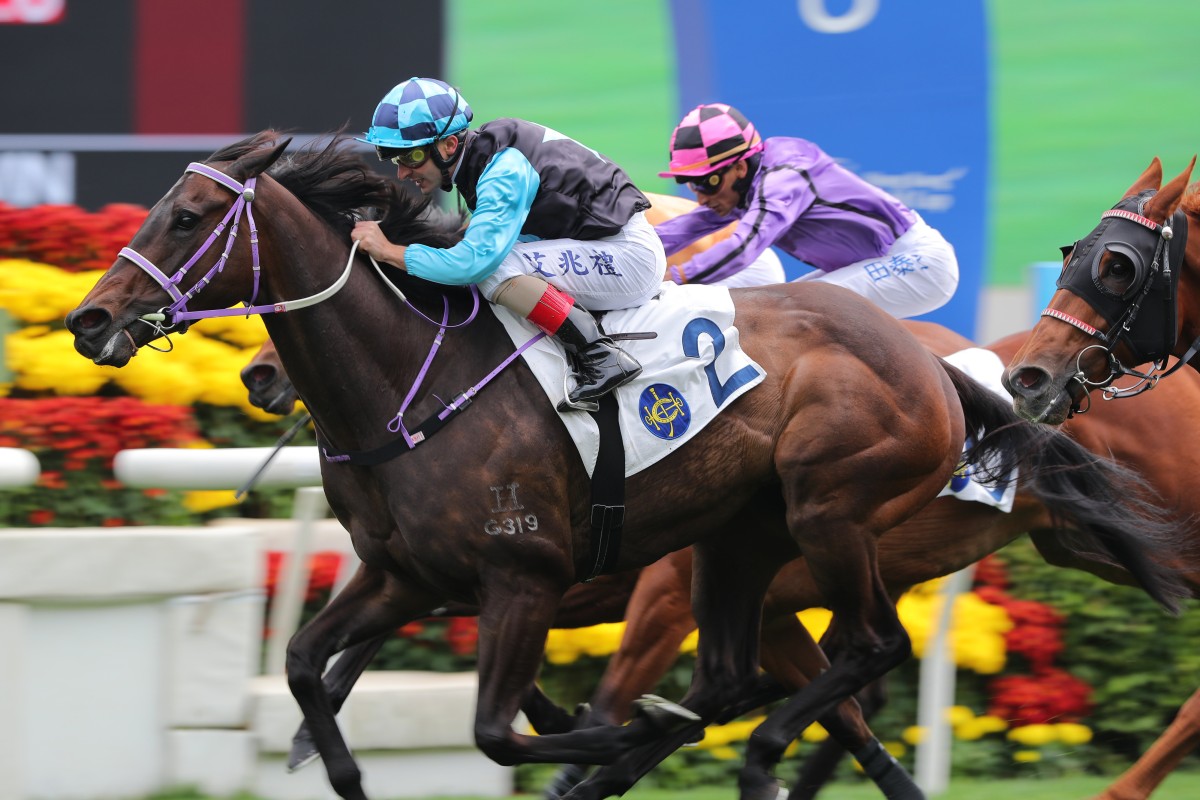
x=102, y=339
x=1040, y=397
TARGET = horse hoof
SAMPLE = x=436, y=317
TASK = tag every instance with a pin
x=303, y=753
x=664, y=714
x=564, y=781
x=772, y=790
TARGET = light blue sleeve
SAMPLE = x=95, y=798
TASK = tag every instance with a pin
x=504, y=196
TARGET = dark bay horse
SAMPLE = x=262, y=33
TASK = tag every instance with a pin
x=855, y=428
x=1129, y=294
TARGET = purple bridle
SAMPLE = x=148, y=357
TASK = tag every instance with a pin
x=177, y=311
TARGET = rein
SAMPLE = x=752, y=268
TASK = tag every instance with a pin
x=168, y=317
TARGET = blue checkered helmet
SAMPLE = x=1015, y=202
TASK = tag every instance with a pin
x=417, y=112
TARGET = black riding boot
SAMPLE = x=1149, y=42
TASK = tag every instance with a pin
x=600, y=366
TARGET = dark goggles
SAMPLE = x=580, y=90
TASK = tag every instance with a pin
x=411, y=158
x=705, y=184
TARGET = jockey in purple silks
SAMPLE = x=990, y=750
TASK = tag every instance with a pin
x=788, y=193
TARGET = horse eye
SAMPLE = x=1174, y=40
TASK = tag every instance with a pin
x=1120, y=269
x=186, y=220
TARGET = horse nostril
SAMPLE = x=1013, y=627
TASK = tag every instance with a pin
x=86, y=320
x=258, y=376
x=1030, y=378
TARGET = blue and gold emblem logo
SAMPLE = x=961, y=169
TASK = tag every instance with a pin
x=664, y=411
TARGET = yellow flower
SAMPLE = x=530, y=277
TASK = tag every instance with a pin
x=566, y=646
x=724, y=753
x=978, y=727
x=241, y=331
x=206, y=500
x=1027, y=756
x=33, y=292
x=45, y=360
x=978, y=628
x=1033, y=735
x=913, y=735
x=816, y=620
x=815, y=733
x=957, y=715
x=969, y=731
x=716, y=736
x=1073, y=733
x=895, y=749
x=690, y=643
x=991, y=723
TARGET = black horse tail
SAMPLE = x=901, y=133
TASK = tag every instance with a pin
x=1106, y=508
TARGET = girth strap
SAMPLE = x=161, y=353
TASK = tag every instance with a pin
x=608, y=490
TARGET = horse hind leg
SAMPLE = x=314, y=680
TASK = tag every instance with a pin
x=658, y=617
x=865, y=639
x=515, y=617
x=1179, y=739
x=731, y=575
x=793, y=658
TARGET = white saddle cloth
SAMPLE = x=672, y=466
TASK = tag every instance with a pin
x=693, y=369
x=985, y=367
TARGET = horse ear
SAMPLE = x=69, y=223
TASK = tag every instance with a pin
x=1150, y=179
x=256, y=162
x=1161, y=206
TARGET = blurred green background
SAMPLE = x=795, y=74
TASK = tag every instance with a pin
x=1084, y=94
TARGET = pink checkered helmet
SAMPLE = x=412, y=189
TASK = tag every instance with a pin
x=711, y=136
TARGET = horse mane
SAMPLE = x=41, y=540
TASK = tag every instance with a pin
x=339, y=185
x=1191, y=200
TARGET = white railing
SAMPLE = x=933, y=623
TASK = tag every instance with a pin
x=296, y=468
x=299, y=468
x=18, y=468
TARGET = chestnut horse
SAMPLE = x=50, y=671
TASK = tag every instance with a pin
x=854, y=428
x=944, y=537
x=1129, y=293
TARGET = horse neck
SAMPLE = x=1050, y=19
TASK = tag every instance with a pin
x=354, y=356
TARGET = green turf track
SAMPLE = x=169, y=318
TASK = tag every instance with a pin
x=1085, y=93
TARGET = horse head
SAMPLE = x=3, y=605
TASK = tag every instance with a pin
x=181, y=248
x=1121, y=304
x=268, y=383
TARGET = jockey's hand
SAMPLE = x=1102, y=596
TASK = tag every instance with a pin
x=372, y=242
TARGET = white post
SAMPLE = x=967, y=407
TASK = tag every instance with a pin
x=289, y=594
x=936, y=692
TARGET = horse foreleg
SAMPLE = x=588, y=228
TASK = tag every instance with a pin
x=1179, y=739
x=372, y=603
x=338, y=680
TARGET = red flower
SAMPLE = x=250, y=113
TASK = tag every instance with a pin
x=41, y=516
x=410, y=630
x=1046, y=696
x=462, y=634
